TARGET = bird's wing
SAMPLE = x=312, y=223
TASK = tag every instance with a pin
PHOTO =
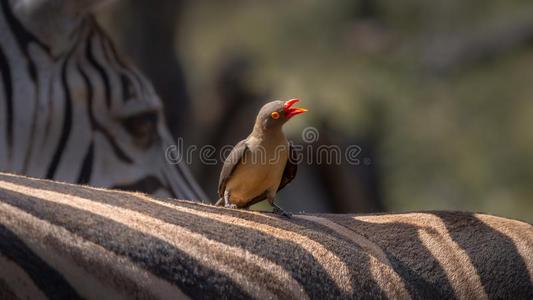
x=231, y=161
x=290, y=169
x=288, y=175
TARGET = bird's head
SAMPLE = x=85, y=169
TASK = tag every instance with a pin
x=276, y=113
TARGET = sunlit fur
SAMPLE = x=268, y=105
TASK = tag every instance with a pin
x=67, y=241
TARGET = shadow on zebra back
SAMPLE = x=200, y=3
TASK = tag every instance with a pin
x=73, y=109
x=63, y=240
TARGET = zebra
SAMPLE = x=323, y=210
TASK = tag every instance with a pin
x=73, y=109
x=60, y=240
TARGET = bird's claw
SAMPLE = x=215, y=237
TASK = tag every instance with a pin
x=230, y=205
x=287, y=215
x=277, y=210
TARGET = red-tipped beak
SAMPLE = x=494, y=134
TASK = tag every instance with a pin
x=292, y=111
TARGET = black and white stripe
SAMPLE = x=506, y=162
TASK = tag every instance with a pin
x=67, y=241
x=76, y=111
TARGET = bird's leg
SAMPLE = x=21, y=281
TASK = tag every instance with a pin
x=226, y=200
x=276, y=209
x=279, y=211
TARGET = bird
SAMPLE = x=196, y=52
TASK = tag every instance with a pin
x=263, y=163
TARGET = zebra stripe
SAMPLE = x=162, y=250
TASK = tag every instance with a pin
x=98, y=243
x=446, y=251
x=523, y=245
x=201, y=251
x=379, y=265
x=350, y=235
x=15, y=282
x=64, y=110
x=95, y=262
x=67, y=121
x=49, y=281
x=99, y=68
x=6, y=136
x=8, y=94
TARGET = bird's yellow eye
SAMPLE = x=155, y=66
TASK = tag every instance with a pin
x=275, y=115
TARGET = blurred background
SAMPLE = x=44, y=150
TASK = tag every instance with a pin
x=437, y=94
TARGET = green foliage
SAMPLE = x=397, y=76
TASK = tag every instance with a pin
x=452, y=137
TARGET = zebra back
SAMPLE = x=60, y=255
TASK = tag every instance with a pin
x=66, y=241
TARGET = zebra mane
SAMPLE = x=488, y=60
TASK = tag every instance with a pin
x=61, y=240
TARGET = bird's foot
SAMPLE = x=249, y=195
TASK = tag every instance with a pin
x=278, y=211
x=227, y=203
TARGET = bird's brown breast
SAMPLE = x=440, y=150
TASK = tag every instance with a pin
x=260, y=170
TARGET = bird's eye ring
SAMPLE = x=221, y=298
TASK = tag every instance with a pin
x=275, y=115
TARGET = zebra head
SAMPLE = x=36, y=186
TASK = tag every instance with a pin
x=73, y=109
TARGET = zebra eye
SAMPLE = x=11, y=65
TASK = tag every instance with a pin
x=142, y=127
